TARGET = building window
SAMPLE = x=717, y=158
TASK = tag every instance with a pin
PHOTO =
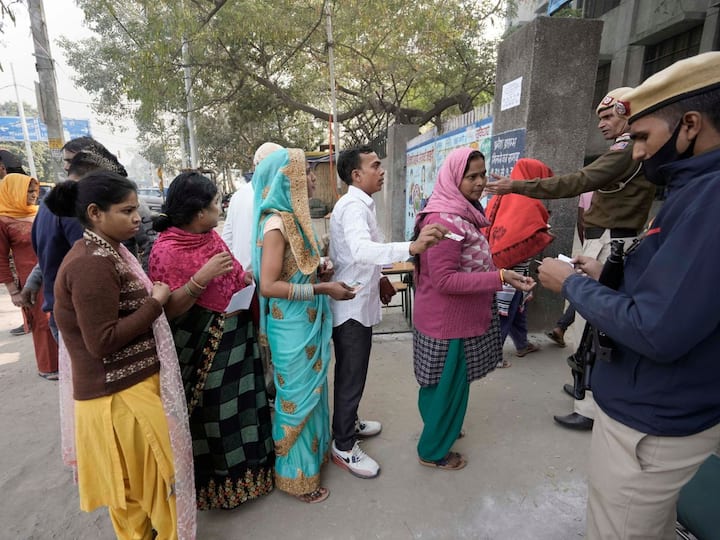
x=669, y=51
x=602, y=83
x=597, y=8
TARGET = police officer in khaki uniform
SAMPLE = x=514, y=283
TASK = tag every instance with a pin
x=618, y=211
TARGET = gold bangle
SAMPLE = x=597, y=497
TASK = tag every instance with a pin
x=189, y=292
x=194, y=282
x=502, y=276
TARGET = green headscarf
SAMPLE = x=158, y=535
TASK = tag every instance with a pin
x=280, y=186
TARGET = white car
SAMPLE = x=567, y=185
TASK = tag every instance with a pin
x=152, y=197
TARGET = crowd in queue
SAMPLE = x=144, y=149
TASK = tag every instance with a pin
x=166, y=406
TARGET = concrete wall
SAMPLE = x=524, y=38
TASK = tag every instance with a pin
x=633, y=25
x=628, y=29
x=557, y=89
x=391, y=200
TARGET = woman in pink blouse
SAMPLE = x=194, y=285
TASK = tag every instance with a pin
x=457, y=334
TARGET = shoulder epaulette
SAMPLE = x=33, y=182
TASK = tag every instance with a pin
x=621, y=142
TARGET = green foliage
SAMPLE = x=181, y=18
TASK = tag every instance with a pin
x=41, y=154
x=10, y=108
x=260, y=67
x=7, y=15
x=568, y=12
x=6, y=12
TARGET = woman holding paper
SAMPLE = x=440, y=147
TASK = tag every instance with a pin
x=295, y=320
x=218, y=352
x=457, y=331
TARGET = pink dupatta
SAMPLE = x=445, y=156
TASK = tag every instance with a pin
x=172, y=395
x=446, y=196
x=177, y=255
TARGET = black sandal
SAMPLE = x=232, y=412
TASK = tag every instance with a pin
x=556, y=337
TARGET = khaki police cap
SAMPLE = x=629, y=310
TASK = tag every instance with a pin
x=612, y=98
x=684, y=79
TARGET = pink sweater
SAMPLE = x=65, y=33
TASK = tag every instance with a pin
x=456, y=284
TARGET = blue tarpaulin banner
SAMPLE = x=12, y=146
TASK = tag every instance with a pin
x=554, y=5
x=11, y=129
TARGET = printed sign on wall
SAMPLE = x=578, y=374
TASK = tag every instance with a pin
x=424, y=161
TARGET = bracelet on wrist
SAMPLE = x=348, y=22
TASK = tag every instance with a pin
x=304, y=292
x=190, y=292
x=195, y=282
x=502, y=276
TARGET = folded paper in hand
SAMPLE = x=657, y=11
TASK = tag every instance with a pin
x=565, y=258
x=241, y=299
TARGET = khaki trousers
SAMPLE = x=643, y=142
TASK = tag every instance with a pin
x=634, y=479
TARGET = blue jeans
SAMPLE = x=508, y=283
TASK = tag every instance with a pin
x=566, y=319
x=515, y=324
x=53, y=326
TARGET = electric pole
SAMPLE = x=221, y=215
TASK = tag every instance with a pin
x=49, y=105
x=23, y=123
x=192, y=142
x=333, y=100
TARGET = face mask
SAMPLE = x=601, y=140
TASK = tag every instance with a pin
x=665, y=155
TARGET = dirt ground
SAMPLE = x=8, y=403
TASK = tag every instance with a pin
x=525, y=477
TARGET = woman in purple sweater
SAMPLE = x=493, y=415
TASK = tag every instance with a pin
x=457, y=333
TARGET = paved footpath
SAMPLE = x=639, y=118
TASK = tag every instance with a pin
x=525, y=477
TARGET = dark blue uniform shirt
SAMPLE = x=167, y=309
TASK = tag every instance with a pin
x=664, y=378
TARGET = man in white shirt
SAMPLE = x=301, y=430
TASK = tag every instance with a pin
x=357, y=252
x=237, y=235
x=238, y=228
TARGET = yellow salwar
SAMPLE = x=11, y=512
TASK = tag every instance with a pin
x=125, y=461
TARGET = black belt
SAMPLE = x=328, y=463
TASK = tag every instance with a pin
x=593, y=233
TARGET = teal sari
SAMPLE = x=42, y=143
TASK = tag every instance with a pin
x=297, y=332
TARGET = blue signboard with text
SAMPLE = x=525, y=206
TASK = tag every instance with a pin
x=11, y=129
x=507, y=148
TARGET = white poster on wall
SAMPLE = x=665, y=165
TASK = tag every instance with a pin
x=511, y=93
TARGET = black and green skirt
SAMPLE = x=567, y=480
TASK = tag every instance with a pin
x=228, y=407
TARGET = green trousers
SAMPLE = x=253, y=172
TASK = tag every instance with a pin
x=443, y=406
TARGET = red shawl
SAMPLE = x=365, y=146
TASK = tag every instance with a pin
x=176, y=255
x=519, y=224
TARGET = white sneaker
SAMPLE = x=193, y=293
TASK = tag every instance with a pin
x=356, y=461
x=367, y=428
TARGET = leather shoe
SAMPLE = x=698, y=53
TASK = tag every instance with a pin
x=575, y=421
x=569, y=389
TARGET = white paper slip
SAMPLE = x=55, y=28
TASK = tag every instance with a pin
x=565, y=258
x=241, y=299
x=453, y=236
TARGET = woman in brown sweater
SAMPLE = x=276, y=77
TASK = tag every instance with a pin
x=131, y=437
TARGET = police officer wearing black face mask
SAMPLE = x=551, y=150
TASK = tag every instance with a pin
x=666, y=154
x=658, y=414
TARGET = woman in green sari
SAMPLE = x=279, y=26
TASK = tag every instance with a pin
x=295, y=320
